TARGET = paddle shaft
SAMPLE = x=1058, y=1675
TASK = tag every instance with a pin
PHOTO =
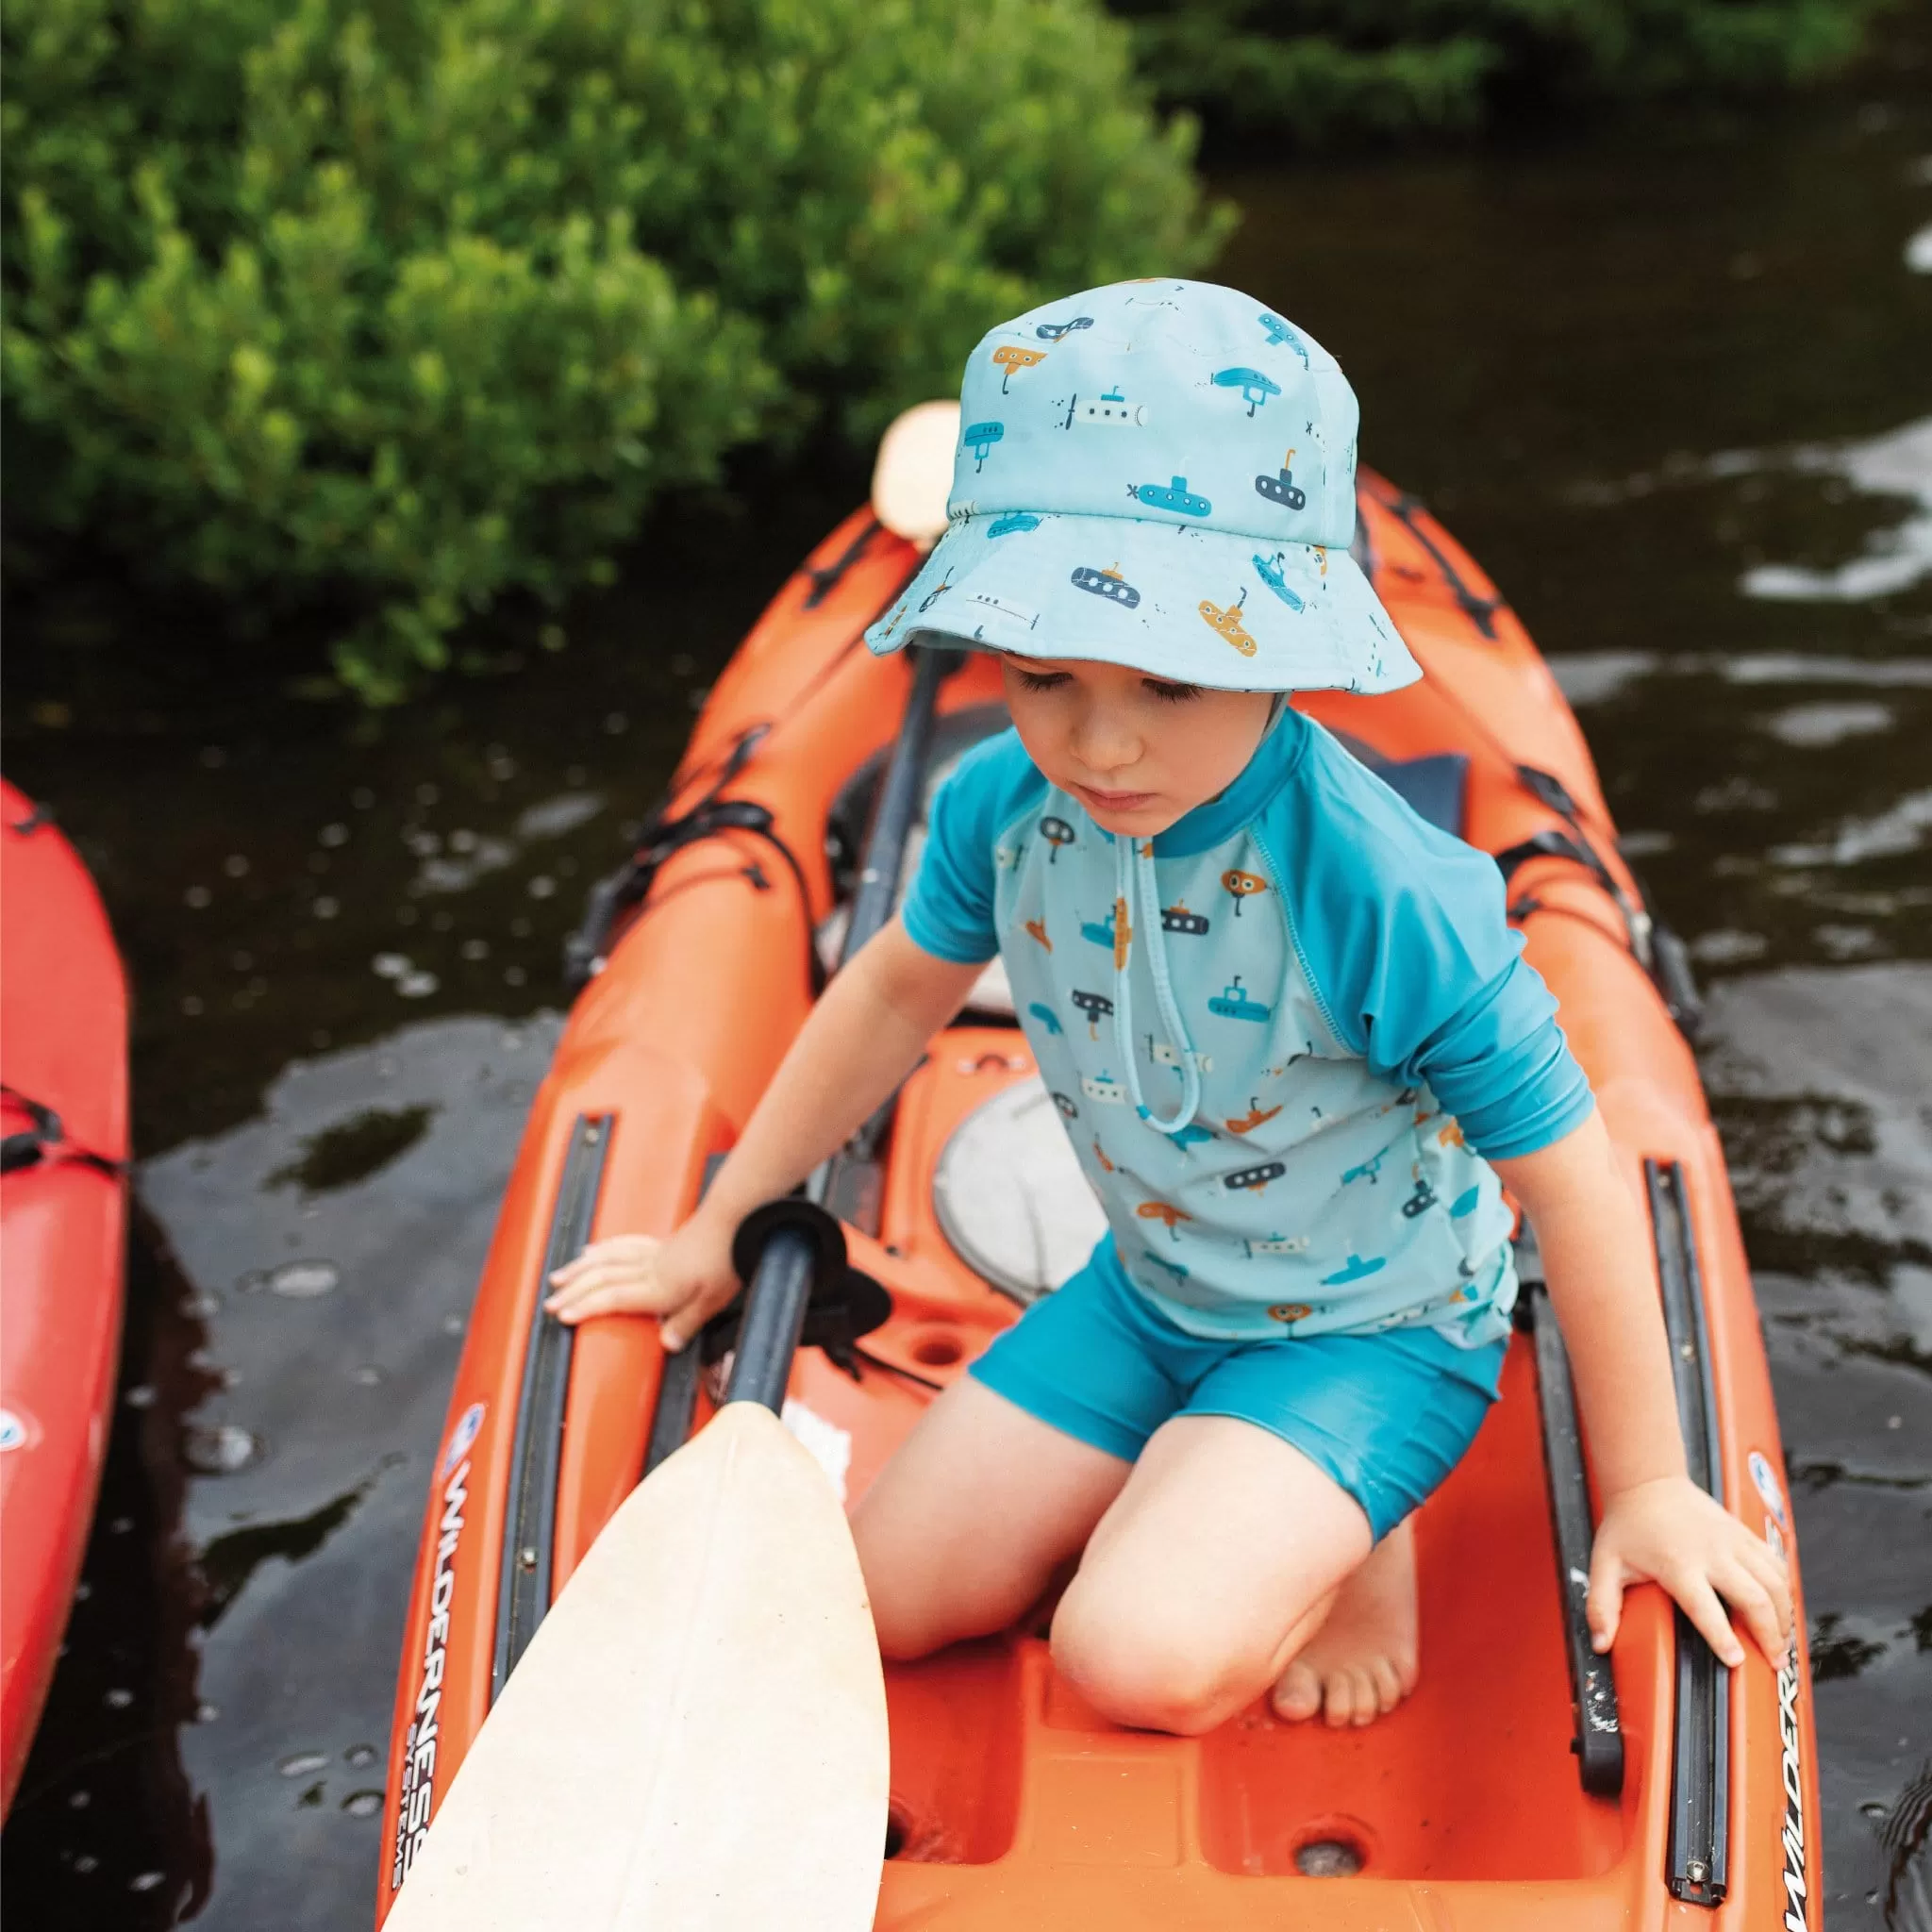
x=781, y=1289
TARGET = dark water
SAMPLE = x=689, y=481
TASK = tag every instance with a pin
x=1673, y=386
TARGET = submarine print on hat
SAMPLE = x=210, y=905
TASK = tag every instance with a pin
x=1157, y=474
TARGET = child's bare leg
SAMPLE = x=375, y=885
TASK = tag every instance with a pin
x=1362, y=1658
x=1215, y=1564
x=963, y=1527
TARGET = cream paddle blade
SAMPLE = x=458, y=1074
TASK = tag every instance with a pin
x=695, y=1740
x=914, y=473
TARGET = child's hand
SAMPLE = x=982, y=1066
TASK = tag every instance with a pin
x=684, y=1281
x=1671, y=1532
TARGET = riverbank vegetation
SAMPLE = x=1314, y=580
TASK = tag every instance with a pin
x=1319, y=71
x=406, y=307
x=391, y=309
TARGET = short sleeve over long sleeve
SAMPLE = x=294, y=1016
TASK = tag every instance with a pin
x=948, y=911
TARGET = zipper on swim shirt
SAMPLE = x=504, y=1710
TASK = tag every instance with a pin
x=1132, y=859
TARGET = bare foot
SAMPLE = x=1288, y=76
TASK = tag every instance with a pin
x=1362, y=1662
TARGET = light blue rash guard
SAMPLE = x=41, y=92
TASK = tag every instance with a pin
x=1282, y=1036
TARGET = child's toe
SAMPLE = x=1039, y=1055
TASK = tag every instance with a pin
x=1388, y=1684
x=1339, y=1697
x=1298, y=1695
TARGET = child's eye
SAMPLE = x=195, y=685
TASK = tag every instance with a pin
x=1171, y=694
x=1038, y=680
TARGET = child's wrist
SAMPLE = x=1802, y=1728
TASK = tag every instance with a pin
x=718, y=1214
x=1628, y=1486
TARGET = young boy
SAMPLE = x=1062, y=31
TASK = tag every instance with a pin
x=1295, y=1046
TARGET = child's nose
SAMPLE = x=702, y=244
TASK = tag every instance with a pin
x=1105, y=748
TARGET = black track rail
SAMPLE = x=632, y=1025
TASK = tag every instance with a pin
x=1698, y=1860
x=529, y=1527
x=1598, y=1740
x=677, y=1403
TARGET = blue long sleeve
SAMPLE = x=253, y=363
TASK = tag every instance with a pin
x=1403, y=933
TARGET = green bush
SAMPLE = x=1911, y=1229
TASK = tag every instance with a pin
x=401, y=304
x=1319, y=68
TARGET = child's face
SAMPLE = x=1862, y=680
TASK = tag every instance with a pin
x=1137, y=750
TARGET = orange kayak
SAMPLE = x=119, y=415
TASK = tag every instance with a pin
x=1524, y=1786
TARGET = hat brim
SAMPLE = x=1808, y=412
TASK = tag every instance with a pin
x=1203, y=607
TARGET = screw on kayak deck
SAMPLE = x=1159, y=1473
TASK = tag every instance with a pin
x=527, y=1555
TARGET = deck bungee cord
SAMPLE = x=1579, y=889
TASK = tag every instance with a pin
x=1411, y=511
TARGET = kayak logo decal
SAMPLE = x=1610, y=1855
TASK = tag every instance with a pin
x=1797, y=1916
x=418, y=1788
x=462, y=1438
x=1764, y=1480
x=13, y=1431
x=1792, y=1836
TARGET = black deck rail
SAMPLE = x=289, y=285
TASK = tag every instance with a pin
x=1697, y=1863
x=529, y=1523
x=1597, y=1739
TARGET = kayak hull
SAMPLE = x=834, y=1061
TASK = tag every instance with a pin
x=63, y=1044
x=1013, y=1803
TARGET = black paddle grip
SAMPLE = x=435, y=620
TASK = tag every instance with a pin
x=783, y=1250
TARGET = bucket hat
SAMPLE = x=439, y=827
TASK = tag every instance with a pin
x=1157, y=474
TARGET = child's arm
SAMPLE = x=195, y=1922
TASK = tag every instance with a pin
x=863, y=1036
x=1657, y=1525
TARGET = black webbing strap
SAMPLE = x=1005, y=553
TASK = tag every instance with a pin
x=46, y=1141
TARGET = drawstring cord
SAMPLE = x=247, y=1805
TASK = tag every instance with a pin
x=1129, y=858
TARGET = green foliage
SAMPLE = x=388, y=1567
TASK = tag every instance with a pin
x=1314, y=70
x=401, y=304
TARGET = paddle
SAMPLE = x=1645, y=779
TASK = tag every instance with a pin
x=913, y=475
x=695, y=1737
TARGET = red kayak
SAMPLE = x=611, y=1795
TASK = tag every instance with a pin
x=63, y=1221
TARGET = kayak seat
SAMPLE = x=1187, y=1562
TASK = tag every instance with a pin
x=1435, y=787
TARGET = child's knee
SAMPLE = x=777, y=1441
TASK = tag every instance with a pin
x=1138, y=1670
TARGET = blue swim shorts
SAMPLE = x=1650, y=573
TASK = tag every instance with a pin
x=1387, y=1415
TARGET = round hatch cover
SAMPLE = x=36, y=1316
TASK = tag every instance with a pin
x=1010, y=1196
